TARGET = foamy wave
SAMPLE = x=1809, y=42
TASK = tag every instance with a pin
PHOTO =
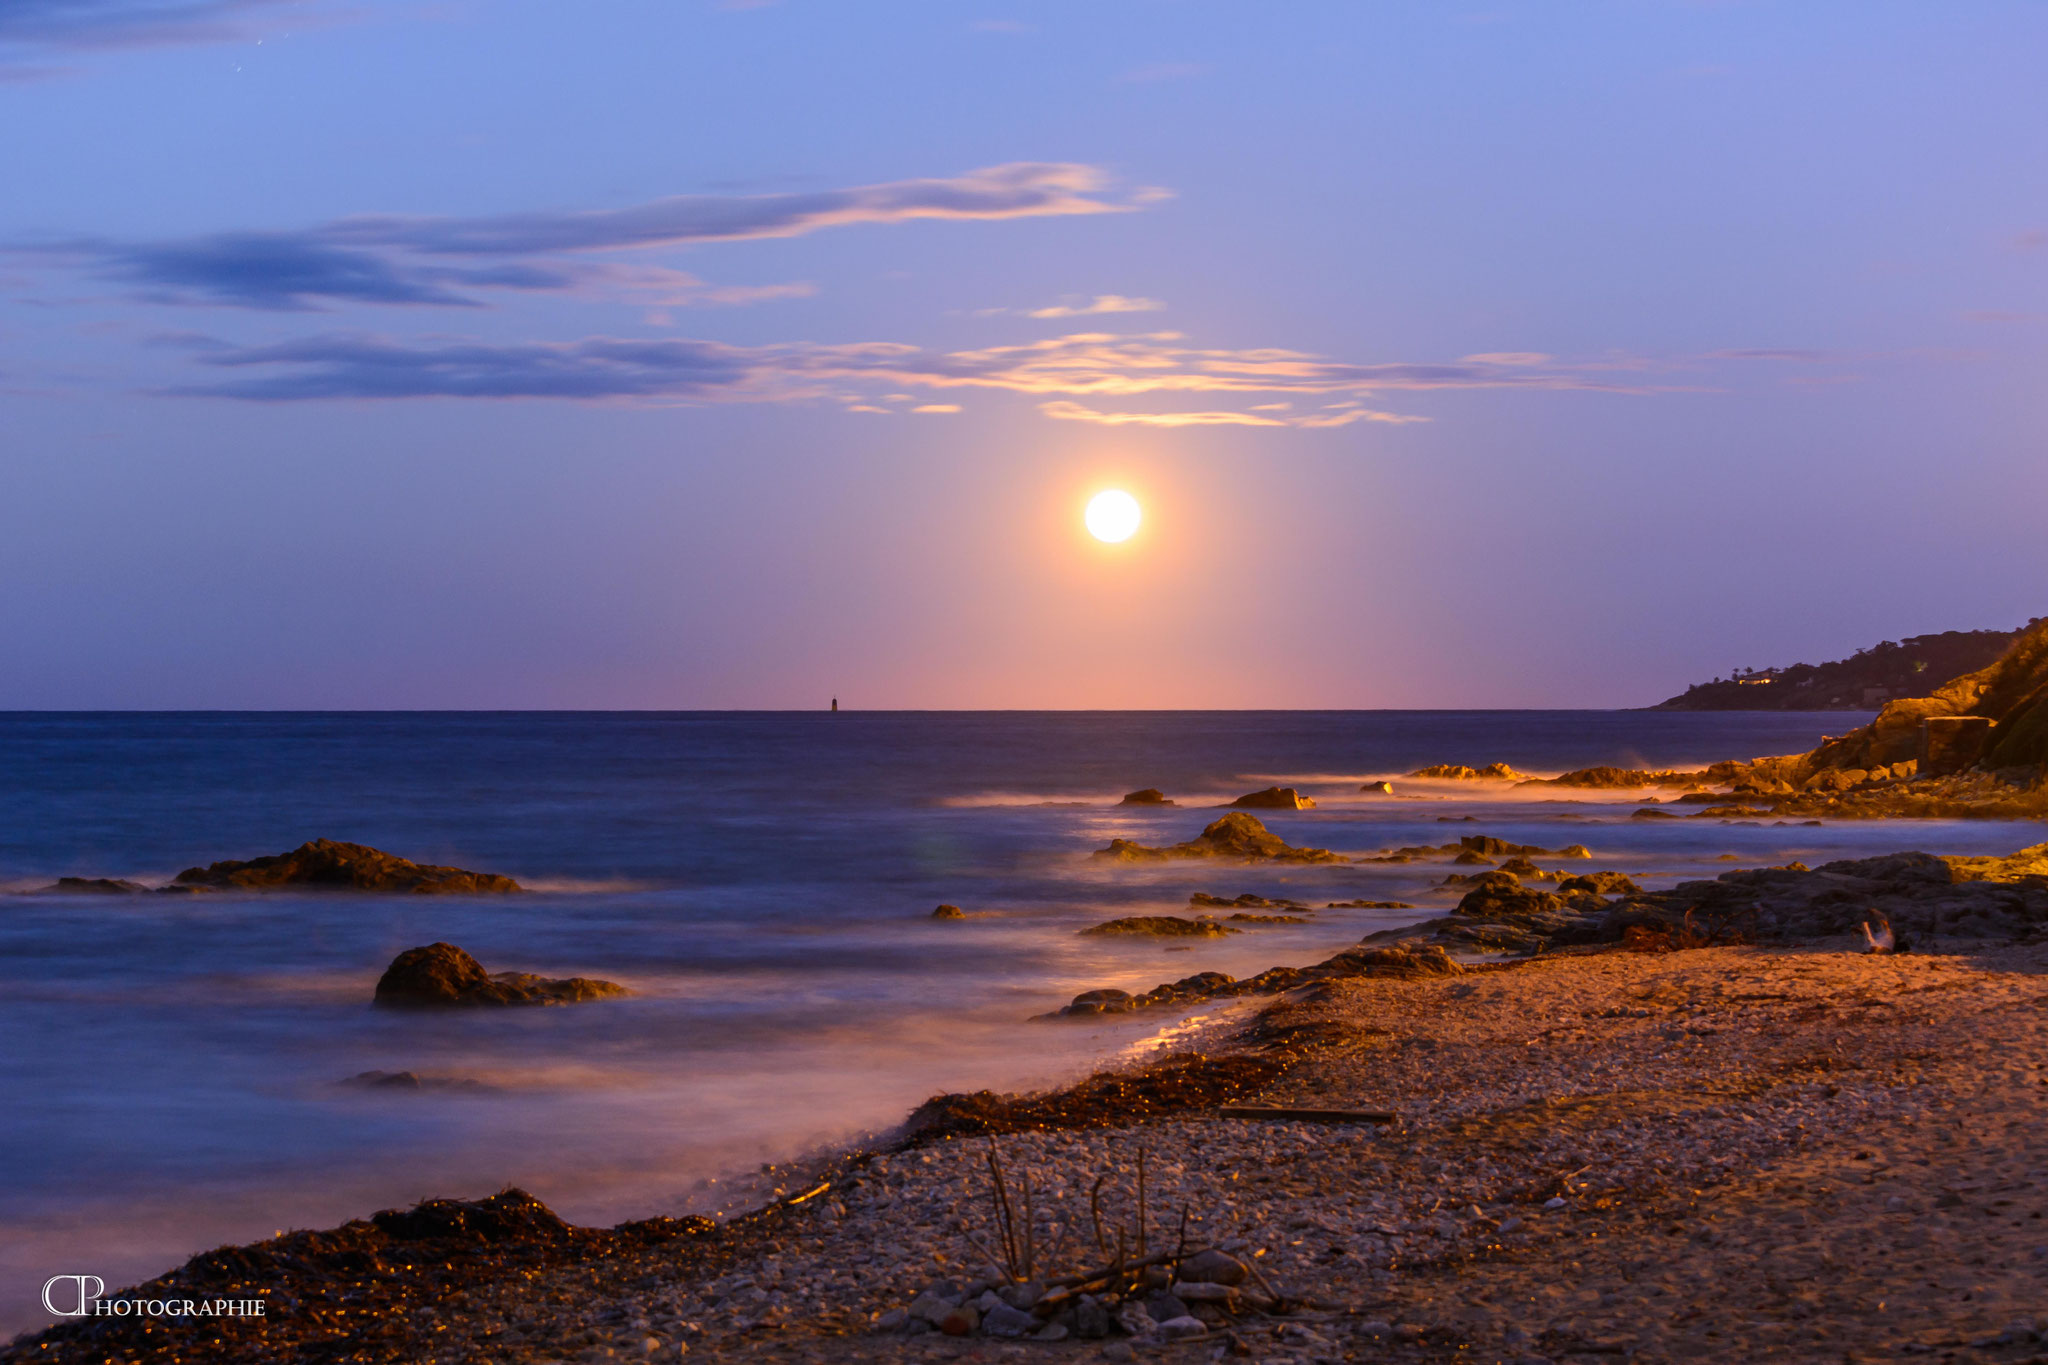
x=587, y=886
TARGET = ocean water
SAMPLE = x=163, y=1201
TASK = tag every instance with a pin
x=170, y=1067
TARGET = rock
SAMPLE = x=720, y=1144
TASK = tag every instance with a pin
x=1164, y=1305
x=1146, y=796
x=407, y=1080
x=1600, y=883
x=1458, y=772
x=1181, y=1328
x=1243, y=918
x=91, y=886
x=1091, y=1318
x=1102, y=1002
x=932, y=1307
x=961, y=1321
x=1470, y=858
x=1236, y=835
x=1212, y=1267
x=1004, y=1321
x=1163, y=926
x=1133, y=1319
x=441, y=974
x=1401, y=961
x=1368, y=905
x=1619, y=779
x=1378, y=788
x=1202, y=900
x=1052, y=1331
x=949, y=912
x=1649, y=814
x=325, y=864
x=1521, y=867
x=1274, y=798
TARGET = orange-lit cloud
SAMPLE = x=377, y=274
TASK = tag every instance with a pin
x=1074, y=412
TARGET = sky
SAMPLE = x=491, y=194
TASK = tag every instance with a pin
x=678, y=354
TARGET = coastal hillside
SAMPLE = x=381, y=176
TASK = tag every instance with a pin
x=1912, y=667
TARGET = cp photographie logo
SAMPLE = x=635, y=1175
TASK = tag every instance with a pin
x=82, y=1296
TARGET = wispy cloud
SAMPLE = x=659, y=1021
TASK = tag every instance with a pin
x=1094, y=366
x=1259, y=416
x=33, y=33
x=1101, y=303
x=441, y=261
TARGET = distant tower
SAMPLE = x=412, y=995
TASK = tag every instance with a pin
x=835, y=703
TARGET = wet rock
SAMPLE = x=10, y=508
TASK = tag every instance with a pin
x=1243, y=918
x=1202, y=900
x=1102, y=1002
x=1600, y=883
x=1274, y=798
x=1146, y=796
x=408, y=1080
x=1377, y=788
x=1472, y=858
x=1368, y=905
x=1237, y=835
x=441, y=975
x=1618, y=779
x=1163, y=926
x=1648, y=813
x=91, y=886
x=1458, y=772
x=949, y=912
x=325, y=864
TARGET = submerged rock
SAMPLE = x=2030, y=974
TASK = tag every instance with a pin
x=1236, y=835
x=1274, y=798
x=1162, y=926
x=326, y=864
x=1202, y=900
x=1146, y=796
x=441, y=974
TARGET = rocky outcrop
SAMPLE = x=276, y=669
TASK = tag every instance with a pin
x=1619, y=779
x=1235, y=836
x=1476, y=849
x=1146, y=796
x=325, y=864
x=441, y=975
x=1401, y=961
x=1927, y=900
x=1274, y=798
x=949, y=912
x=1162, y=926
x=1202, y=900
x=1458, y=772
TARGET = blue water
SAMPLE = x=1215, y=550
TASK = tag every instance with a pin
x=763, y=881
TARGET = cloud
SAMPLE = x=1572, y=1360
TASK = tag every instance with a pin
x=936, y=407
x=1083, y=365
x=1075, y=412
x=43, y=28
x=1024, y=189
x=1102, y=303
x=444, y=261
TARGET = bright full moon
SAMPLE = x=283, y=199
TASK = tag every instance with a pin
x=1112, y=515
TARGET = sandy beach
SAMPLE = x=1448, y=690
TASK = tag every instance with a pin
x=1725, y=1154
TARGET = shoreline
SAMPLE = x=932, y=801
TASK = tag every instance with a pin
x=1744, y=1078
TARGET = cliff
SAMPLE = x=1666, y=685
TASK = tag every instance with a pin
x=1912, y=667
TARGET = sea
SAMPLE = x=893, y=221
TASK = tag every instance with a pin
x=175, y=1070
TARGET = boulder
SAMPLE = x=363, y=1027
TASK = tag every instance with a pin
x=1146, y=796
x=1378, y=788
x=949, y=912
x=1274, y=798
x=325, y=864
x=442, y=975
x=1236, y=836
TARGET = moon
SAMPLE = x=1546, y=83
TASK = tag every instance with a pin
x=1112, y=515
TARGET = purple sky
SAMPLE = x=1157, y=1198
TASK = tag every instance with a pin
x=507, y=353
